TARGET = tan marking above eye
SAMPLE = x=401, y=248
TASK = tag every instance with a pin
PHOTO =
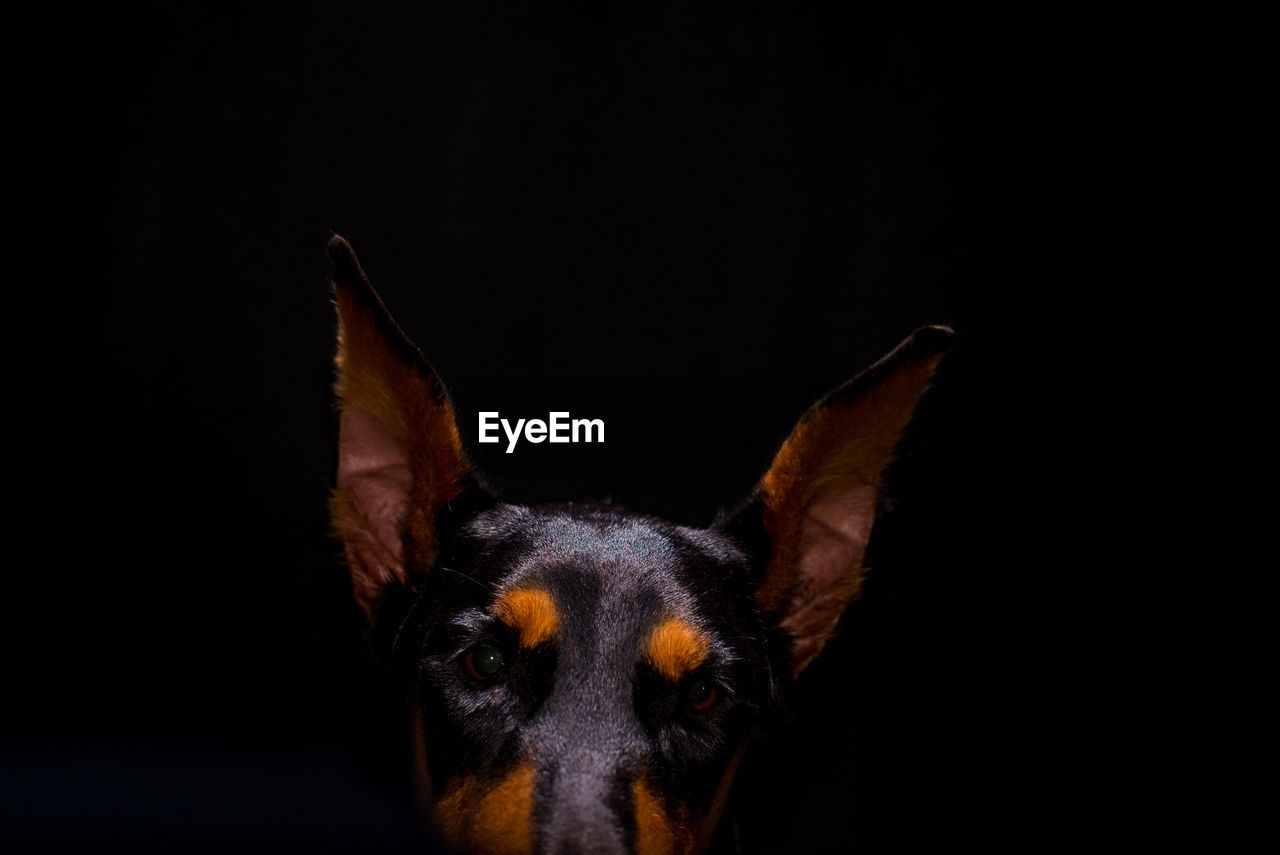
x=530, y=613
x=676, y=647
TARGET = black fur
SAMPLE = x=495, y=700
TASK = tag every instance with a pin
x=584, y=709
x=613, y=574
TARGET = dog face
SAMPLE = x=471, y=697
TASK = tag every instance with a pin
x=587, y=673
x=584, y=679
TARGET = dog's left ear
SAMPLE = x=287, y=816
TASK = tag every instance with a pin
x=817, y=502
x=400, y=459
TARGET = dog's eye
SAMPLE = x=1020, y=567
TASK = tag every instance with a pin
x=484, y=661
x=703, y=694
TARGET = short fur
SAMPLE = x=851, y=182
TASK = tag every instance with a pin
x=675, y=649
x=629, y=660
x=530, y=613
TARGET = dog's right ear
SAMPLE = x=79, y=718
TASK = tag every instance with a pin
x=400, y=459
x=818, y=500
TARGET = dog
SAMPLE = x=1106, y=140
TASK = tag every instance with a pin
x=581, y=678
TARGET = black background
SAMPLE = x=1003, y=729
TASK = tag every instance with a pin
x=688, y=222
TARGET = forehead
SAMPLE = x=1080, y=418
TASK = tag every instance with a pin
x=616, y=566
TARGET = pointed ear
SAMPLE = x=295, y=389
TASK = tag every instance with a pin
x=400, y=459
x=818, y=499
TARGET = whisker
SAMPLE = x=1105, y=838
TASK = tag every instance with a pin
x=460, y=573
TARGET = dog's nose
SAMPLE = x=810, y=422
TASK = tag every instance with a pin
x=590, y=840
x=581, y=804
x=586, y=766
x=587, y=742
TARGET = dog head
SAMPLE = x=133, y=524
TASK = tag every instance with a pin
x=583, y=679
